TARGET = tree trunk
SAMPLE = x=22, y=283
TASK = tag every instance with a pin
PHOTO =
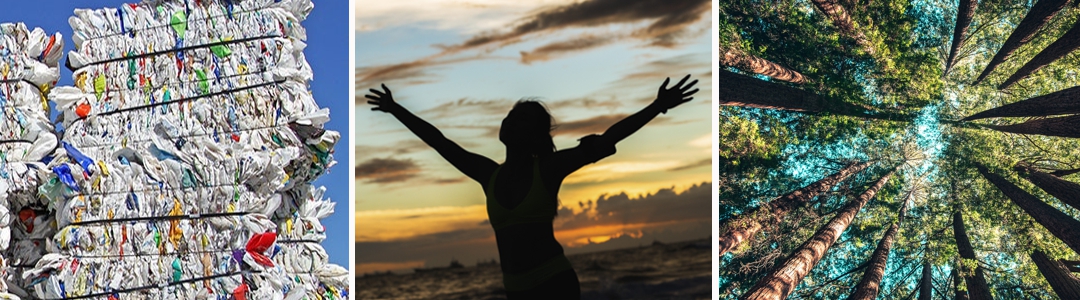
x=926, y=285
x=870, y=284
x=783, y=279
x=740, y=228
x=1039, y=14
x=745, y=91
x=1058, y=126
x=964, y=11
x=960, y=295
x=1065, y=285
x=842, y=20
x=1062, y=102
x=1058, y=223
x=1064, y=190
x=976, y=281
x=1062, y=173
x=1061, y=47
x=757, y=65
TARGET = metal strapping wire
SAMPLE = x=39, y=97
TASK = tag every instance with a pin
x=212, y=17
x=160, y=285
x=174, y=50
x=182, y=100
x=159, y=218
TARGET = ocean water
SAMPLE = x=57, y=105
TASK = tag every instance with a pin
x=660, y=271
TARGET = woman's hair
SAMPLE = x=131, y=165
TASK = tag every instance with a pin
x=529, y=125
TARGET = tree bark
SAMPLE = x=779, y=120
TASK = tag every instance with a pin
x=870, y=284
x=1062, y=102
x=976, y=282
x=757, y=65
x=1062, y=173
x=1064, y=190
x=964, y=11
x=745, y=91
x=926, y=285
x=1065, y=285
x=960, y=295
x=740, y=228
x=1061, y=47
x=1057, y=126
x=842, y=20
x=1040, y=13
x=783, y=279
x=1058, y=223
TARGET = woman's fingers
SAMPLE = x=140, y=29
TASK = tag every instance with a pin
x=377, y=92
x=685, y=94
x=385, y=88
x=681, y=82
x=688, y=86
x=372, y=97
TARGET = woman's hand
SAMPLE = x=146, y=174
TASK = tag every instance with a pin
x=668, y=98
x=383, y=100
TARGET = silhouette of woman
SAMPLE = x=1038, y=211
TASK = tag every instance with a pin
x=521, y=192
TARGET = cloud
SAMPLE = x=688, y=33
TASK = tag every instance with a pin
x=405, y=224
x=700, y=163
x=398, y=148
x=664, y=206
x=386, y=170
x=468, y=16
x=669, y=18
x=669, y=21
x=604, y=171
x=549, y=51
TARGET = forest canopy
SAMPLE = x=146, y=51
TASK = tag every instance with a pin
x=886, y=149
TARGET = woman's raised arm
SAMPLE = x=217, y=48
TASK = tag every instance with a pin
x=596, y=147
x=475, y=166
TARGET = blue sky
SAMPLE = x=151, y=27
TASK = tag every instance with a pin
x=327, y=52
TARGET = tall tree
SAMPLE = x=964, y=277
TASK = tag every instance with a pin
x=870, y=284
x=741, y=90
x=1062, y=102
x=976, y=281
x=1040, y=13
x=1064, y=283
x=752, y=64
x=1064, y=190
x=926, y=284
x=960, y=294
x=964, y=11
x=842, y=20
x=1057, y=126
x=1058, y=223
x=740, y=228
x=783, y=279
x=1062, y=46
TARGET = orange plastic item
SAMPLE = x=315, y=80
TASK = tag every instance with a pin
x=82, y=110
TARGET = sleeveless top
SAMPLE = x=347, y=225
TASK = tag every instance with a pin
x=537, y=207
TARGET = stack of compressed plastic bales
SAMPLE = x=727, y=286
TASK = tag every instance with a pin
x=190, y=140
x=28, y=70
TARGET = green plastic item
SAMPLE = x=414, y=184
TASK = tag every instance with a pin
x=204, y=86
x=99, y=85
x=179, y=23
x=221, y=51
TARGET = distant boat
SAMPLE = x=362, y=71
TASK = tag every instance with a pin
x=491, y=262
x=454, y=264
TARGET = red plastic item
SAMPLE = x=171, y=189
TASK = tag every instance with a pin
x=82, y=110
x=240, y=293
x=258, y=244
x=27, y=216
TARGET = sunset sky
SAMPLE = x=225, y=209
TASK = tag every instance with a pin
x=461, y=65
